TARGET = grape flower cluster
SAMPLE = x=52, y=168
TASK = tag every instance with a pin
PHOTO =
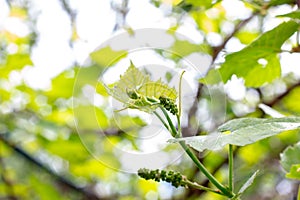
x=175, y=178
x=169, y=105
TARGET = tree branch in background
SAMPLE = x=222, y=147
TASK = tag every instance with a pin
x=7, y=181
x=72, y=14
x=280, y=97
x=237, y=28
x=121, y=13
x=188, y=130
x=85, y=192
x=68, y=10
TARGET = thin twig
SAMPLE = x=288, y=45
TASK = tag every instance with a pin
x=68, y=10
x=121, y=13
x=188, y=130
x=237, y=28
x=280, y=97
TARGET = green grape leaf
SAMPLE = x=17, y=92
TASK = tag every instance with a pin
x=263, y=73
x=157, y=89
x=258, y=63
x=246, y=37
x=290, y=156
x=137, y=91
x=293, y=15
x=131, y=80
x=294, y=172
x=241, y=132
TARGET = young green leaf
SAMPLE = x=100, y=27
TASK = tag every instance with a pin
x=137, y=91
x=241, y=132
x=290, y=156
x=130, y=81
x=157, y=89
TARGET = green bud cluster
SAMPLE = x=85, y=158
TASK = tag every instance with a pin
x=175, y=178
x=169, y=105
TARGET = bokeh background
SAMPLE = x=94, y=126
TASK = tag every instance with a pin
x=59, y=135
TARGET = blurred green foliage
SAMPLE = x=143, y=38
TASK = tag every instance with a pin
x=57, y=143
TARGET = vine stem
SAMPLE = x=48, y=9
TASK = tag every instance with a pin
x=230, y=162
x=195, y=159
x=180, y=90
x=202, y=168
x=173, y=131
x=162, y=121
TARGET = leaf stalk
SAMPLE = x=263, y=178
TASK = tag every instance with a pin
x=224, y=190
x=230, y=162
